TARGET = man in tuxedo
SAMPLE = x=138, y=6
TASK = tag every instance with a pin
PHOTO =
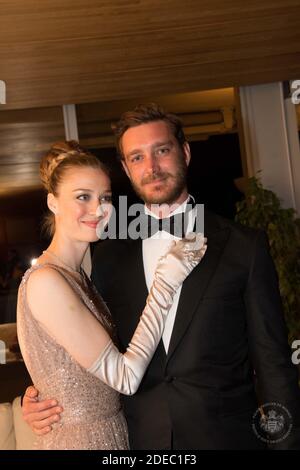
x=224, y=351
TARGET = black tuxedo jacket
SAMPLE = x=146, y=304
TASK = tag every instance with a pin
x=229, y=328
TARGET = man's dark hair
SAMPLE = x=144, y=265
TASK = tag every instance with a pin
x=142, y=114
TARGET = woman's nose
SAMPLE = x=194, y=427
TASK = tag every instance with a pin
x=93, y=207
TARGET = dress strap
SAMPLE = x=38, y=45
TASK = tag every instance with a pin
x=42, y=265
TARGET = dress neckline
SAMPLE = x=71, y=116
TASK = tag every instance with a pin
x=77, y=276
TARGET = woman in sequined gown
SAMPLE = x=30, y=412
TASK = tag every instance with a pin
x=65, y=330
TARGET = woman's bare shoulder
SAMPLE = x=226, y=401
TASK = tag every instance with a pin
x=47, y=287
x=45, y=276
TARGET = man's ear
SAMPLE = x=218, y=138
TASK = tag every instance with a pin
x=125, y=168
x=187, y=153
x=52, y=203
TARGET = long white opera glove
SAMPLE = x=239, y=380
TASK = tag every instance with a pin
x=124, y=372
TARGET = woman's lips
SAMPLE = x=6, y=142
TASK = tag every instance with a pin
x=91, y=224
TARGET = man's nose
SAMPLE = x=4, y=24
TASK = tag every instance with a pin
x=152, y=164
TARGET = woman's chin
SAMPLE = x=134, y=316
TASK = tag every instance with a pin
x=89, y=238
x=93, y=239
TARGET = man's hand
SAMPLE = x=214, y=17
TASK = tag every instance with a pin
x=39, y=414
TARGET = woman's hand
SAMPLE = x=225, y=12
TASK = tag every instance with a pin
x=184, y=255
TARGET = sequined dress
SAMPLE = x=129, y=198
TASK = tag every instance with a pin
x=92, y=416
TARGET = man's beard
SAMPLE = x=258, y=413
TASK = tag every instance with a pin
x=169, y=196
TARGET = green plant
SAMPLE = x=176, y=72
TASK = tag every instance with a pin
x=262, y=209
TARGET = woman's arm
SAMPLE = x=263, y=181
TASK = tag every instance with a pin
x=64, y=316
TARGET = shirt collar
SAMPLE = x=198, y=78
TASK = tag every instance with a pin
x=178, y=210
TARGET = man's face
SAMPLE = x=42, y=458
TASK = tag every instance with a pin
x=155, y=163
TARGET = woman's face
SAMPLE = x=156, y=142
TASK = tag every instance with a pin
x=83, y=202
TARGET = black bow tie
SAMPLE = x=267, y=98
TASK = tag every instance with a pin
x=176, y=224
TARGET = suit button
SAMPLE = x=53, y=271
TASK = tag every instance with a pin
x=169, y=379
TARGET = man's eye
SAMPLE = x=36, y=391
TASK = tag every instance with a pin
x=136, y=158
x=83, y=197
x=163, y=151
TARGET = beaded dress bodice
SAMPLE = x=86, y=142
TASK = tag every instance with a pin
x=92, y=416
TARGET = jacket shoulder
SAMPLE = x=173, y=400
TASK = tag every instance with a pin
x=215, y=222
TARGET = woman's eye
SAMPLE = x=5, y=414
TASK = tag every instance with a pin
x=83, y=197
x=107, y=199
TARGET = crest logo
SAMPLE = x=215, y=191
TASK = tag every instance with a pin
x=272, y=423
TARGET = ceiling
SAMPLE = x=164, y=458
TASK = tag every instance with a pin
x=81, y=51
x=105, y=55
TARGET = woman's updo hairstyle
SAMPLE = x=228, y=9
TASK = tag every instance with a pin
x=61, y=157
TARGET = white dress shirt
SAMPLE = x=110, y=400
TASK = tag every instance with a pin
x=157, y=246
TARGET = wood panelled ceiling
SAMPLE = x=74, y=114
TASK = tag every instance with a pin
x=75, y=51
x=104, y=54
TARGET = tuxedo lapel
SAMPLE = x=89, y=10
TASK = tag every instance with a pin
x=197, y=282
x=137, y=287
x=134, y=277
